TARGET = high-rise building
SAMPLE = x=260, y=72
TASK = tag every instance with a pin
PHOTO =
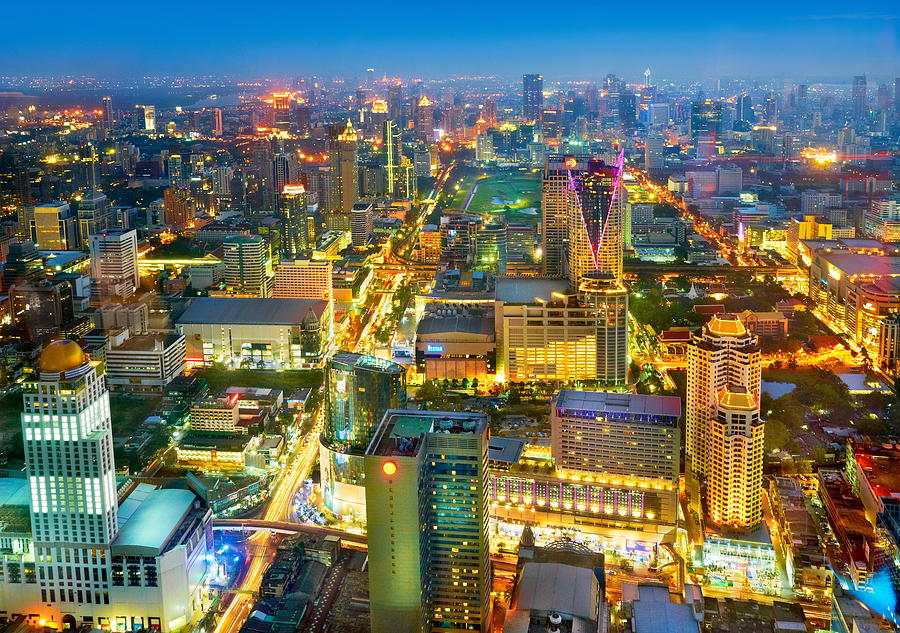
x=93, y=215
x=595, y=208
x=217, y=128
x=343, y=177
x=484, y=148
x=359, y=390
x=426, y=482
x=559, y=171
x=654, y=145
x=706, y=119
x=53, y=227
x=609, y=300
x=393, y=150
x=302, y=279
x=859, y=97
x=744, y=110
x=723, y=431
x=179, y=207
x=114, y=269
x=149, y=114
x=425, y=119
x=295, y=224
x=888, y=359
x=532, y=97
x=361, y=223
x=246, y=259
x=108, y=115
x=88, y=561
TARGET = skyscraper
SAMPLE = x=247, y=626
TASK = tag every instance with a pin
x=859, y=96
x=343, y=177
x=361, y=223
x=149, y=113
x=295, y=228
x=217, y=122
x=559, y=171
x=426, y=483
x=53, y=226
x=114, y=269
x=532, y=97
x=359, y=389
x=393, y=152
x=108, y=116
x=69, y=458
x=608, y=299
x=247, y=265
x=93, y=215
x=425, y=119
x=654, y=156
x=595, y=210
x=706, y=119
x=723, y=431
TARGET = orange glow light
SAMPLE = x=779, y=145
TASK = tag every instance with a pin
x=389, y=468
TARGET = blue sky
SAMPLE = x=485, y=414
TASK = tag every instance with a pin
x=791, y=38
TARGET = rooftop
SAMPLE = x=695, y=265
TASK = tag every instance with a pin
x=654, y=610
x=852, y=264
x=737, y=397
x=726, y=325
x=366, y=361
x=235, y=311
x=147, y=343
x=505, y=449
x=525, y=290
x=149, y=517
x=401, y=430
x=619, y=402
x=565, y=589
x=456, y=323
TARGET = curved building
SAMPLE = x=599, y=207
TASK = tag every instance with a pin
x=359, y=390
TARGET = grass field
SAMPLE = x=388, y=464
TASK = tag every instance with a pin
x=128, y=412
x=509, y=194
x=287, y=381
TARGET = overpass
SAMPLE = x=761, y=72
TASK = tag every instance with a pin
x=355, y=541
x=694, y=269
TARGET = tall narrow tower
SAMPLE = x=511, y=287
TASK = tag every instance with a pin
x=69, y=459
x=724, y=433
x=343, y=177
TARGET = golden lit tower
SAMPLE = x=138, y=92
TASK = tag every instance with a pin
x=342, y=178
x=425, y=118
x=723, y=430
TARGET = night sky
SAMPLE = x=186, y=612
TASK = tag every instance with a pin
x=797, y=39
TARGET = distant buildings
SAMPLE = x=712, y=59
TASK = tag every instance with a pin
x=429, y=565
x=532, y=97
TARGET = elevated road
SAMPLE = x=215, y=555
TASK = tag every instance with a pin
x=286, y=527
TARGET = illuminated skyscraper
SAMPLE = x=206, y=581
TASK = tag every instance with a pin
x=52, y=226
x=654, y=156
x=359, y=389
x=247, y=265
x=706, y=119
x=343, y=177
x=93, y=215
x=361, y=223
x=393, y=151
x=217, y=122
x=426, y=494
x=723, y=431
x=114, y=268
x=295, y=234
x=149, y=113
x=108, y=116
x=859, y=97
x=609, y=300
x=595, y=209
x=532, y=97
x=425, y=119
x=559, y=171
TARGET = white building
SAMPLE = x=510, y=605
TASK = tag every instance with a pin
x=484, y=148
x=91, y=561
x=303, y=279
x=114, y=266
x=145, y=363
x=361, y=223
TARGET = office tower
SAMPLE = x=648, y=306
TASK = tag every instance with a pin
x=302, y=279
x=149, y=113
x=395, y=102
x=426, y=483
x=359, y=390
x=54, y=227
x=393, y=152
x=93, y=216
x=247, y=265
x=654, y=156
x=859, y=98
x=706, y=119
x=744, y=110
x=108, y=116
x=295, y=227
x=723, y=431
x=69, y=458
x=631, y=438
x=114, y=268
x=596, y=208
x=532, y=97
x=484, y=148
x=217, y=128
x=343, y=186
x=490, y=246
x=555, y=203
x=221, y=180
x=729, y=181
x=425, y=119
x=282, y=114
x=361, y=223
x=285, y=172
x=608, y=299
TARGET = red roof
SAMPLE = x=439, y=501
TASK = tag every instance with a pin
x=712, y=308
x=676, y=335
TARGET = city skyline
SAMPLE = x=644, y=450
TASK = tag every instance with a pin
x=820, y=39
